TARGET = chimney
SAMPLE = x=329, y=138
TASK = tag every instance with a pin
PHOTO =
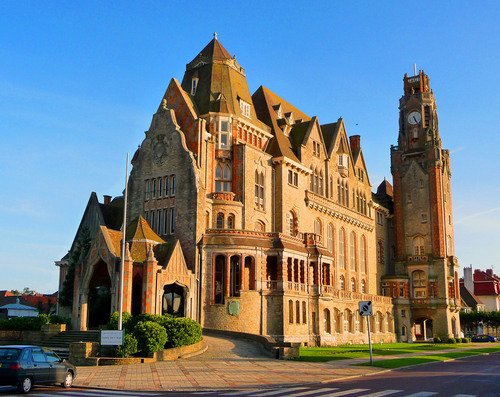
x=489, y=272
x=355, y=141
x=468, y=283
x=107, y=199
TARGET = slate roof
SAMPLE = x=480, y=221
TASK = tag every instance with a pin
x=265, y=102
x=330, y=132
x=469, y=298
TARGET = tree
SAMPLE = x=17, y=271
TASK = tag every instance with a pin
x=79, y=252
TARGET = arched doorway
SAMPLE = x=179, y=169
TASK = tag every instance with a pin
x=99, y=298
x=423, y=329
x=174, y=300
x=136, y=295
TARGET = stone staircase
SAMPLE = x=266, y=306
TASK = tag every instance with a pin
x=60, y=343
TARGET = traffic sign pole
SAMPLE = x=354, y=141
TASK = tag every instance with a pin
x=369, y=340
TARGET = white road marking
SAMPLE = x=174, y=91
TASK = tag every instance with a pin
x=422, y=394
x=344, y=392
x=279, y=391
x=380, y=393
x=465, y=395
x=314, y=391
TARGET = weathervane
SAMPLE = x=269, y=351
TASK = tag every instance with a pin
x=215, y=35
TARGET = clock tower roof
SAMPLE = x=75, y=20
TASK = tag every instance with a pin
x=416, y=84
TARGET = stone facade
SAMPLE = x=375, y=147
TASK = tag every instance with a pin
x=277, y=230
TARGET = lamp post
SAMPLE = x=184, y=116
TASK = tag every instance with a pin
x=122, y=265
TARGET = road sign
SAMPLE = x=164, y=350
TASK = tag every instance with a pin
x=365, y=308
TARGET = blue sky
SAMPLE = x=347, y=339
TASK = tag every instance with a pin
x=79, y=82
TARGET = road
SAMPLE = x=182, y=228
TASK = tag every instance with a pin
x=476, y=376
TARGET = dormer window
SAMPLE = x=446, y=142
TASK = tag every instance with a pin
x=245, y=108
x=279, y=111
x=343, y=160
x=224, y=133
x=194, y=85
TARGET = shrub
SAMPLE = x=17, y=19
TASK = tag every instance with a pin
x=126, y=319
x=451, y=340
x=181, y=331
x=151, y=337
x=465, y=340
x=55, y=319
x=129, y=346
x=458, y=340
x=24, y=323
x=437, y=339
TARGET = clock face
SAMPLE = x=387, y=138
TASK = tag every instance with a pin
x=414, y=118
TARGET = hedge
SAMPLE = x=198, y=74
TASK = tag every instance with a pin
x=31, y=323
x=151, y=337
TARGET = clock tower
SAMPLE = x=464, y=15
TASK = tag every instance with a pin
x=425, y=279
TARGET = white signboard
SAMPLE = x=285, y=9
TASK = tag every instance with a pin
x=111, y=338
x=365, y=308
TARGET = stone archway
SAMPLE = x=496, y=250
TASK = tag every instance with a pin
x=99, y=296
x=423, y=329
x=174, y=299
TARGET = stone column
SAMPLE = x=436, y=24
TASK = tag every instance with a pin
x=227, y=278
x=128, y=270
x=149, y=283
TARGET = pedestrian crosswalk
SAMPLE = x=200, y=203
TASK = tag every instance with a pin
x=40, y=392
x=299, y=391
x=324, y=392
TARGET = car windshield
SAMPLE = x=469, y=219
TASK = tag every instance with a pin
x=7, y=354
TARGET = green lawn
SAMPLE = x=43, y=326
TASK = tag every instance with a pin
x=322, y=354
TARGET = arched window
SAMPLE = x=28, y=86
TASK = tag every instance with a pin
x=260, y=226
x=363, y=286
x=342, y=283
x=362, y=254
x=346, y=192
x=259, y=189
x=290, y=311
x=380, y=251
x=419, y=283
x=352, y=251
x=419, y=245
x=230, y=221
x=353, y=284
x=291, y=223
x=380, y=321
x=320, y=183
x=223, y=178
x=234, y=276
x=297, y=312
x=304, y=312
x=219, y=279
x=318, y=227
x=342, y=248
x=329, y=238
x=328, y=324
x=331, y=188
x=220, y=221
x=403, y=330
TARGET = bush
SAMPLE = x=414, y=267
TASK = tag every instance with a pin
x=437, y=339
x=458, y=340
x=181, y=331
x=451, y=340
x=55, y=319
x=24, y=323
x=113, y=321
x=465, y=340
x=128, y=348
x=151, y=337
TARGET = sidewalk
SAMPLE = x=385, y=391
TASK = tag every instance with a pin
x=227, y=364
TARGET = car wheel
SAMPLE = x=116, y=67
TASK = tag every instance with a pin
x=24, y=385
x=68, y=380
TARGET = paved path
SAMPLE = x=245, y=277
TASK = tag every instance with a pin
x=227, y=364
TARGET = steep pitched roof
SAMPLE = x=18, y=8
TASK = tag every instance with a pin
x=265, y=102
x=469, y=298
x=139, y=230
x=330, y=132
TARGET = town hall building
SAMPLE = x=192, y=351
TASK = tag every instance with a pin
x=246, y=214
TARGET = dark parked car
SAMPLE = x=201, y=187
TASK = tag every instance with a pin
x=25, y=366
x=483, y=338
